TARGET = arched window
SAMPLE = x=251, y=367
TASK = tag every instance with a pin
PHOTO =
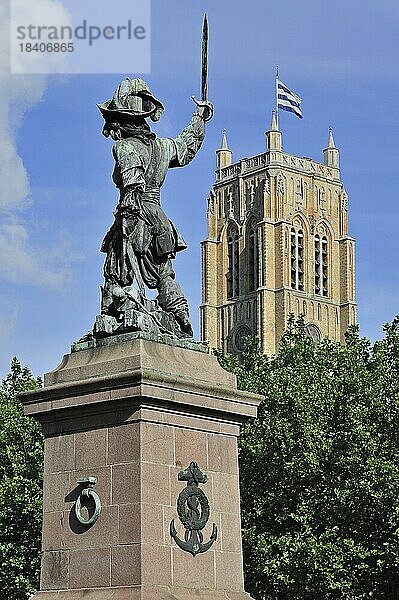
x=252, y=258
x=320, y=265
x=248, y=310
x=297, y=259
x=233, y=267
x=220, y=204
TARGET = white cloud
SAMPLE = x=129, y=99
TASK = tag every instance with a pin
x=17, y=94
x=21, y=262
x=43, y=13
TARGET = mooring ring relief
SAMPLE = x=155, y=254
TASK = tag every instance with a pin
x=88, y=494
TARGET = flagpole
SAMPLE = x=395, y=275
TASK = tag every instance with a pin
x=276, y=93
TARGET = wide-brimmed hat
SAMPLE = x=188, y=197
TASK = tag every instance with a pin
x=132, y=100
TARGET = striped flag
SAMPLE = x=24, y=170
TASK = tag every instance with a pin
x=287, y=100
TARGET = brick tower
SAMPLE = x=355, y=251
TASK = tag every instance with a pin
x=277, y=245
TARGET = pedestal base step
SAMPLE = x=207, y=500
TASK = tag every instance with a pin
x=141, y=593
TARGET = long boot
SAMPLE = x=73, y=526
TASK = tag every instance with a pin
x=171, y=299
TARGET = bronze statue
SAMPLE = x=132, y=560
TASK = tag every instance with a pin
x=142, y=241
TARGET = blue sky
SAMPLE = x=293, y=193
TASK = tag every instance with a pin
x=57, y=198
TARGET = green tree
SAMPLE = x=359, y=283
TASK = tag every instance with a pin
x=320, y=468
x=21, y=466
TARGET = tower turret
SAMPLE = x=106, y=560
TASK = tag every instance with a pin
x=331, y=153
x=274, y=137
x=224, y=156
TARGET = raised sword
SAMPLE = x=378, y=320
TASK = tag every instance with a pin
x=204, y=72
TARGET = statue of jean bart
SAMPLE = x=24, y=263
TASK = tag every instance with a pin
x=142, y=241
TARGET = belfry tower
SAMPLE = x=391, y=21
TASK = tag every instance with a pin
x=277, y=244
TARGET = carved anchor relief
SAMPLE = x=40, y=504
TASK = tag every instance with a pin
x=193, y=511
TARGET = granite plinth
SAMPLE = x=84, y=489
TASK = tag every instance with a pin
x=142, y=594
x=161, y=338
x=133, y=415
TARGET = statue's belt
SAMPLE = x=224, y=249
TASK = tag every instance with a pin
x=151, y=195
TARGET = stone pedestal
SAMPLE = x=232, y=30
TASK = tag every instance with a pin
x=133, y=415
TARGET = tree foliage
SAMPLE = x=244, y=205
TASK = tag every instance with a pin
x=21, y=458
x=320, y=468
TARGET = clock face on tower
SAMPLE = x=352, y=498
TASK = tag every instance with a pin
x=239, y=336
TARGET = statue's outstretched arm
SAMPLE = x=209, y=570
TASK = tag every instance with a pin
x=186, y=145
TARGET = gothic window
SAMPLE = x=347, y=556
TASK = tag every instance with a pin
x=321, y=265
x=313, y=331
x=235, y=313
x=248, y=310
x=233, y=264
x=252, y=258
x=297, y=259
x=329, y=205
x=251, y=194
x=220, y=204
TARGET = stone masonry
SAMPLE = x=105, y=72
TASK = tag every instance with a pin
x=133, y=415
